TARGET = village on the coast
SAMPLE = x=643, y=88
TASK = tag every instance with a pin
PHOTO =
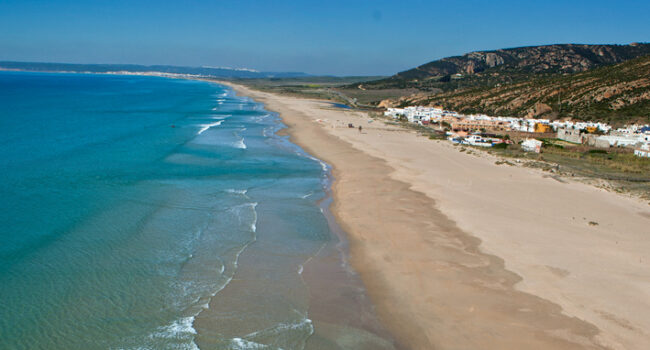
x=487, y=131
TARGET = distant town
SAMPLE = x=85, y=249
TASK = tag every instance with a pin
x=487, y=131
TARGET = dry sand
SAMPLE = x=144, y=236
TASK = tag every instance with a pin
x=457, y=252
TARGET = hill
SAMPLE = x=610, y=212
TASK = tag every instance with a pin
x=490, y=68
x=616, y=94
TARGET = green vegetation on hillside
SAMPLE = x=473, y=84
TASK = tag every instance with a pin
x=614, y=94
x=506, y=66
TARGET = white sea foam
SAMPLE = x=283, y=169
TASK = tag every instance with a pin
x=304, y=324
x=183, y=325
x=253, y=229
x=261, y=118
x=323, y=165
x=254, y=223
x=241, y=344
x=180, y=330
x=267, y=132
x=205, y=127
x=240, y=144
x=223, y=94
x=301, y=266
x=242, y=192
x=230, y=275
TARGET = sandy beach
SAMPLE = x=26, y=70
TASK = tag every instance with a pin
x=457, y=252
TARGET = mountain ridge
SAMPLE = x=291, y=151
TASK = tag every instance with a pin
x=485, y=67
x=616, y=94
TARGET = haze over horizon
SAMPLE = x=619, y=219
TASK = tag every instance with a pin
x=337, y=38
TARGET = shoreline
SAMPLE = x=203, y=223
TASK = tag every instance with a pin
x=338, y=298
x=483, y=295
x=338, y=311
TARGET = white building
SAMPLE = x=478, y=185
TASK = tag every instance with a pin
x=475, y=140
x=604, y=128
x=532, y=145
x=629, y=136
x=624, y=140
x=415, y=114
x=643, y=151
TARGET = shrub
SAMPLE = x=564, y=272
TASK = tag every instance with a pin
x=597, y=151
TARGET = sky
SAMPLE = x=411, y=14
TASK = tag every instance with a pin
x=317, y=37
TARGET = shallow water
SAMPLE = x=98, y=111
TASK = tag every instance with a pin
x=150, y=213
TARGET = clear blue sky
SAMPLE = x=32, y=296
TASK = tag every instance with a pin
x=319, y=37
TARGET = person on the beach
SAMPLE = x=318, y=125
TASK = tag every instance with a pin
x=360, y=128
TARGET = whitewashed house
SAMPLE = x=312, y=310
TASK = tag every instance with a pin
x=532, y=145
x=643, y=151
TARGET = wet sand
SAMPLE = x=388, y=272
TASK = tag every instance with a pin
x=293, y=288
x=459, y=253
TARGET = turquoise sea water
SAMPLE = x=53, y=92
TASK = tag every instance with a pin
x=126, y=204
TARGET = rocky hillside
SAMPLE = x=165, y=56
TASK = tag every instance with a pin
x=489, y=68
x=616, y=94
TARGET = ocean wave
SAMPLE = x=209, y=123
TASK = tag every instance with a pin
x=178, y=327
x=323, y=165
x=268, y=131
x=242, y=192
x=205, y=127
x=261, y=118
x=254, y=223
x=301, y=267
x=240, y=144
x=304, y=154
x=303, y=327
x=304, y=323
x=241, y=344
x=181, y=330
x=238, y=208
